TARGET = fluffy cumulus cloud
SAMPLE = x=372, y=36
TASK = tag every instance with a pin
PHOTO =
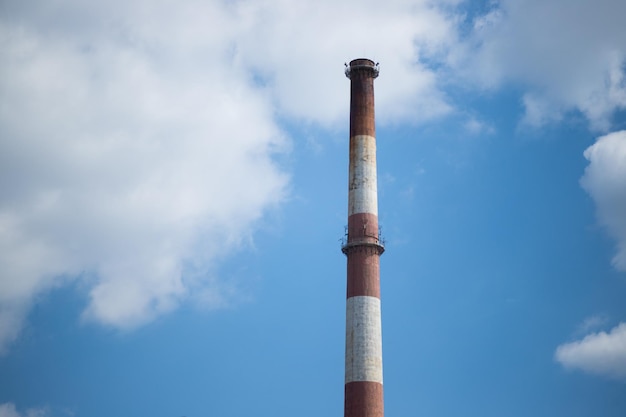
x=133, y=153
x=597, y=353
x=604, y=181
x=138, y=139
x=565, y=55
x=298, y=48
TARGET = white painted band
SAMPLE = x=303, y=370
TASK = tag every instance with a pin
x=364, y=347
x=362, y=194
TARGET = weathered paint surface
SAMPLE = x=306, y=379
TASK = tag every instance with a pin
x=364, y=359
x=362, y=190
x=363, y=272
x=363, y=398
x=362, y=121
x=363, y=227
x=364, y=348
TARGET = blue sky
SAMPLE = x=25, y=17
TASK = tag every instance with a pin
x=173, y=183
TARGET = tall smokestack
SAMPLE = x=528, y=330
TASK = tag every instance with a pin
x=364, y=357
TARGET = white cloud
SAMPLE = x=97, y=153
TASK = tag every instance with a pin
x=300, y=47
x=476, y=127
x=592, y=323
x=598, y=353
x=137, y=139
x=9, y=410
x=130, y=155
x=539, y=111
x=566, y=55
x=604, y=181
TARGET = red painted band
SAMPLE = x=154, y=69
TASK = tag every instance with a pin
x=363, y=226
x=362, y=103
x=363, y=262
x=363, y=273
x=363, y=399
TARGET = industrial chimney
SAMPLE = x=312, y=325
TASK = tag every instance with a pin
x=363, y=247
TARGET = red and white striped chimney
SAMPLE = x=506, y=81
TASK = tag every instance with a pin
x=364, y=357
